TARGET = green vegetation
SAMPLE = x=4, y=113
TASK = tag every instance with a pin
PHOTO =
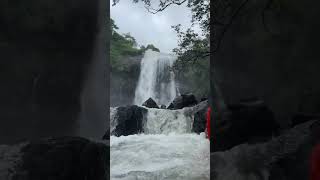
x=123, y=45
x=192, y=67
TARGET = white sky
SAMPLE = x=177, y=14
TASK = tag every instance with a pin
x=150, y=28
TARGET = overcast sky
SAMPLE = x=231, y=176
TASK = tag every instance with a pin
x=150, y=28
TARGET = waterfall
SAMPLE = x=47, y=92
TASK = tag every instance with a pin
x=156, y=79
x=166, y=148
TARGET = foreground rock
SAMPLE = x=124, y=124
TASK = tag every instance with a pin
x=200, y=119
x=128, y=120
x=64, y=158
x=150, y=103
x=185, y=100
x=250, y=121
x=283, y=158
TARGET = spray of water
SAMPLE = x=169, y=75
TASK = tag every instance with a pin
x=156, y=78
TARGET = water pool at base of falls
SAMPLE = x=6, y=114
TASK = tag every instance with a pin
x=160, y=157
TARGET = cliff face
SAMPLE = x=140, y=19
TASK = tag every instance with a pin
x=45, y=49
x=123, y=82
x=276, y=61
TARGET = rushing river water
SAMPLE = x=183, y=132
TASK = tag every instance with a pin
x=160, y=156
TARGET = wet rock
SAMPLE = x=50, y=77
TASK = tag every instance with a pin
x=129, y=120
x=63, y=158
x=199, y=122
x=247, y=122
x=282, y=158
x=303, y=117
x=106, y=136
x=150, y=103
x=184, y=100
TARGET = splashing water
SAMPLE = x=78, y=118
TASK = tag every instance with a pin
x=162, y=121
x=156, y=79
x=159, y=156
x=166, y=150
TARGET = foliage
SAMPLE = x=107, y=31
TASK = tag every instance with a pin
x=124, y=45
x=193, y=51
x=191, y=46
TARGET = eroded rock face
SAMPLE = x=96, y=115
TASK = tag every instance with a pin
x=63, y=158
x=124, y=82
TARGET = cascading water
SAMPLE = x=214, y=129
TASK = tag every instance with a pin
x=167, y=149
x=156, y=79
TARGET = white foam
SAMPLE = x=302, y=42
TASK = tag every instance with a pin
x=172, y=156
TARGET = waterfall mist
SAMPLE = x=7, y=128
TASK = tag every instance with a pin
x=156, y=79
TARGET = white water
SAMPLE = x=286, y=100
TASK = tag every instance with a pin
x=163, y=121
x=113, y=120
x=167, y=150
x=156, y=79
x=159, y=156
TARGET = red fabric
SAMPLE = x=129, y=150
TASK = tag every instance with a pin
x=315, y=163
x=208, y=123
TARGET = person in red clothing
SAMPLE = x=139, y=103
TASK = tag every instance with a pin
x=208, y=129
x=315, y=163
x=315, y=153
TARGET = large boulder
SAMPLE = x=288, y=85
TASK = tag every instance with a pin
x=248, y=121
x=286, y=157
x=200, y=119
x=263, y=56
x=184, y=100
x=63, y=158
x=129, y=120
x=150, y=103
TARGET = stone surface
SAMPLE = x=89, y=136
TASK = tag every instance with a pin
x=130, y=120
x=184, y=100
x=150, y=103
x=247, y=122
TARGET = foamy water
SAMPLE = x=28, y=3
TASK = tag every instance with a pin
x=160, y=156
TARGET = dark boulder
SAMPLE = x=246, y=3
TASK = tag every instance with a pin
x=247, y=122
x=284, y=157
x=106, y=136
x=130, y=120
x=203, y=99
x=150, y=103
x=200, y=119
x=303, y=117
x=184, y=100
x=64, y=158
